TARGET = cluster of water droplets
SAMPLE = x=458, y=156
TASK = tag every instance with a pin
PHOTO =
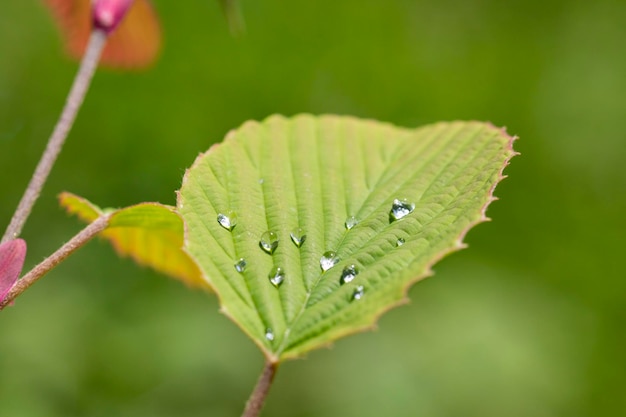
x=269, y=240
x=400, y=209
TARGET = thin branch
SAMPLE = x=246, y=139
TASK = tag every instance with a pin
x=74, y=101
x=56, y=258
x=257, y=398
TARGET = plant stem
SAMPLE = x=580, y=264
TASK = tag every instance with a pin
x=56, y=258
x=75, y=99
x=257, y=398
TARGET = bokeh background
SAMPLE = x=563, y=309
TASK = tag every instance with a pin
x=529, y=322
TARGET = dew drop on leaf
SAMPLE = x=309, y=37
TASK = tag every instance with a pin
x=298, y=237
x=400, y=209
x=328, y=260
x=269, y=334
x=227, y=220
x=400, y=242
x=351, y=222
x=269, y=242
x=358, y=293
x=276, y=276
x=240, y=265
x=348, y=274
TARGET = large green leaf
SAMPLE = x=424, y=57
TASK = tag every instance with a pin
x=315, y=173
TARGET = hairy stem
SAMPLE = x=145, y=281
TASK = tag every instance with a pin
x=56, y=258
x=257, y=398
x=75, y=99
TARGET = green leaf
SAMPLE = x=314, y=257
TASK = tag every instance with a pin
x=314, y=173
x=150, y=233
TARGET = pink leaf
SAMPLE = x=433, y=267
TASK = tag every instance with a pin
x=12, y=256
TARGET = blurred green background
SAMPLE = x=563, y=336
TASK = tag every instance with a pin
x=529, y=322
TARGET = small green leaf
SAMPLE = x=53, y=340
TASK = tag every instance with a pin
x=360, y=211
x=150, y=233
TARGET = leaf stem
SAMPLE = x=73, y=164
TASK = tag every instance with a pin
x=74, y=101
x=262, y=388
x=56, y=258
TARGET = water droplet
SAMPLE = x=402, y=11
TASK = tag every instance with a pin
x=351, y=222
x=269, y=334
x=277, y=276
x=228, y=220
x=400, y=242
x=269, y=242
x=241, y=264
x=298, y=237
x=400, y=208
x=358, y=293
x=348, y=274
x=261, y=180
x=328, y=260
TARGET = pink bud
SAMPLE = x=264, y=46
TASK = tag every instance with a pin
x=134, y=44
x=12, y=254
x=107, y=14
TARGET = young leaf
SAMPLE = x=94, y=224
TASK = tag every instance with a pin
x=371, y=205
x=150, y=233
x=12, y=254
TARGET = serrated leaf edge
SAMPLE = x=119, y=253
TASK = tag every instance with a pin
x=459, y=243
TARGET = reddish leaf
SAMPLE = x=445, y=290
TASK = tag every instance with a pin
x=12, y=256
